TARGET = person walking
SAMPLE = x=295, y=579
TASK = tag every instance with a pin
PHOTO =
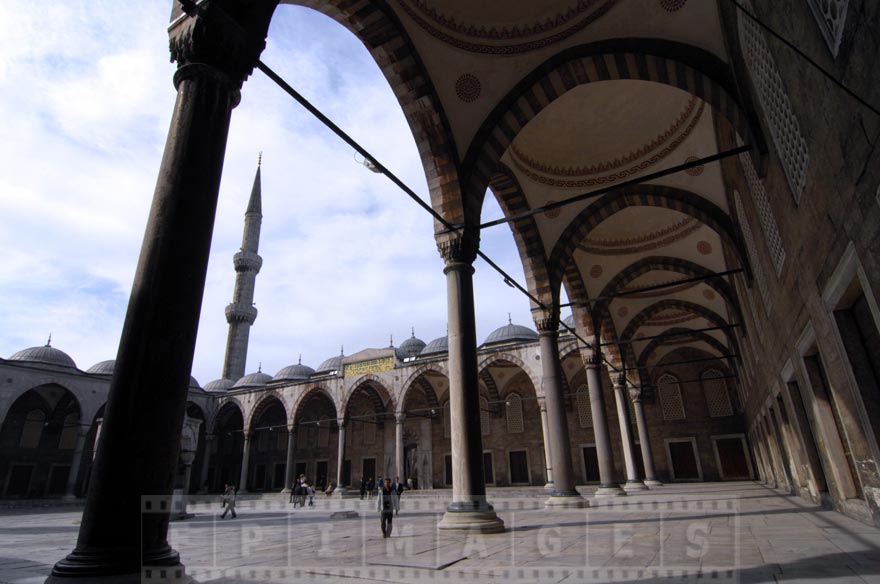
x=370, y=486
x=229, y=501
x=363, y=487
x=398, y=488
x=387, y=503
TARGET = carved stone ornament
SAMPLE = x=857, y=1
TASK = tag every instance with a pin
x=226, y=35
x=459, y=248
x=635, y=393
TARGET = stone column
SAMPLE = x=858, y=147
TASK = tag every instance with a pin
x=633, y=483
x=340, y=455
x=206, y=464
x=548, y=463
x=245, y=462
x=398, y=446
x=75, y=463
x=124, y=524
x=635, y=394
x=608, y=486
x=564, y=493
x=288, y=467
x=469, y=509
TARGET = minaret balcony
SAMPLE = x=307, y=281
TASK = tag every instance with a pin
x=247, y=261
x=241, y=313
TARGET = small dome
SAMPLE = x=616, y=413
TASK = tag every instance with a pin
x=331, y=364
x=193, y=382
x=568, y=321
x=511, y=333
x=294, y=372
x=438, y=346
x=411, y=347
x=219, y=385
x=103, y=368
x=257, y=379
x=46, y=354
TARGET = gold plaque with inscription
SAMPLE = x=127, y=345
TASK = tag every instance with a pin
x=371, y=366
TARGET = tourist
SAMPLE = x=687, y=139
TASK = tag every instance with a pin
x=228, y=501
x=387, y=503
x=370, y=486
x=363, y=487
x=398, y=488
x=310, y=491
x=330, y=489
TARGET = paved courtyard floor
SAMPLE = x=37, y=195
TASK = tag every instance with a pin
x=712, y=532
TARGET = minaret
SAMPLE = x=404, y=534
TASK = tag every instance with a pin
x=242, y=313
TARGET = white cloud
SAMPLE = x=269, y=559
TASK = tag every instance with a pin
x=85, y=102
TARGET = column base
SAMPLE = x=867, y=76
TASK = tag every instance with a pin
x=634, y=486
x=286, y=491
x=612, y=491
x=346, y=493
x=653, y=483
x=549, y=487
x=157, y=575
x=109, y=566
x=566, y=500
x=472, y=517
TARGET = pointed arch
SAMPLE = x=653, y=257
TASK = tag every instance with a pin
x=374, y=388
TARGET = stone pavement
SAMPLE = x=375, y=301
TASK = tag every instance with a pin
x=713, y=532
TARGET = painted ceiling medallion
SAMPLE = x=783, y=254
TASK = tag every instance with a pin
x=603, y=173
x=526, y=29
x=552, y=213
x=645, y=242
x=704, y=247
x=708, y=294
x=622, y=311
x=468, y=88
x=672, y=5
x=695, y=171
x=596, y=271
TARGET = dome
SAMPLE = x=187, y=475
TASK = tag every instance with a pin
x=511, y=333
x=438, y=346
x=568, y=321
x=253, y=380
x=103, y=368
x=46, y=354
x=293, y=372
x=219, y=385
x=331, y=364
x=193, y=382
x=411, y=347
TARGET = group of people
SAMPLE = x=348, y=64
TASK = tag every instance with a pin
x=300, y=490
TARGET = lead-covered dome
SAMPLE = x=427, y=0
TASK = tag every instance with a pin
x=438, y=346
x=219, y=385
x=103, y=367
x=411, y=347
x=294, y=372
x=46, y=354
x=331, y=364
x=511, y=333
x=258, y=379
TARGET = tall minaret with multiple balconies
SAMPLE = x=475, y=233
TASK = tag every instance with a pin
x=241, y=312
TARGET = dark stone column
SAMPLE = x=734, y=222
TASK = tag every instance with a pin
x=608, y=487
x=245, y=463
x=469, y=509
x=125, y=521
x=564, y=493
x=288, y=467
x=633, y=483
x=635, y=394
x=76, y=463
x=206, y=464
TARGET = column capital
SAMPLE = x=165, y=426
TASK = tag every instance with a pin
x=620, y=381
x=223, y=35
x=635, y=393
x=458, y=248
x=592, y=358
x=546, y=320
x=399, y=417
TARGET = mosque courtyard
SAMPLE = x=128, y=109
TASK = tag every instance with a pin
x=714, y=532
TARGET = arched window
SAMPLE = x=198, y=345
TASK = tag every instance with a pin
x=670, y=397
x=515, y=423
x=585, y=408
x=717, y=398
x=32, y=430
x=69, y=432
x=447, y=421
x=484, y=416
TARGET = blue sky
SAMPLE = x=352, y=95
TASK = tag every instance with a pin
x=85, y=102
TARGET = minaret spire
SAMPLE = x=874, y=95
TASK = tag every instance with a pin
x=241, y=312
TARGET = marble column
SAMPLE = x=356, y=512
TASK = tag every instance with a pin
x=608, y=486
x=635, y=394
x=469, y=509
x=75, y=463
x=564, y=493
x=245, y=462
x=633, y=483
x=288, y=466
x=340, y=456
x=398, y=446
x=206, y=464
x=548, y=462
x=124, y=525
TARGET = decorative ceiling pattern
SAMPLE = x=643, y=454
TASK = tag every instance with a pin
x=670, y=317
x=536, y=32
x=643, y=242
x=623, y=167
